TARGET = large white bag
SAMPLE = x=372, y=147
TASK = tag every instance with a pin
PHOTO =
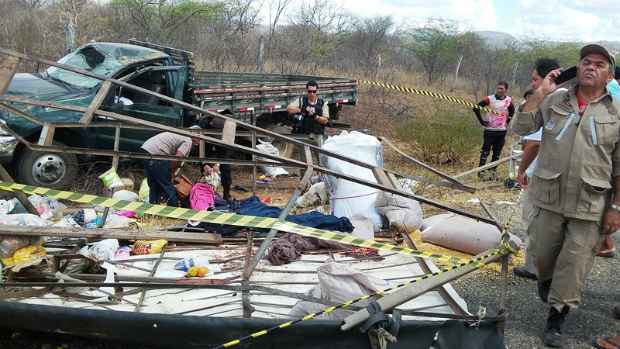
x=338, y=283
x=348, y=198
x=268, y=148
x=462, y=233
x=401, y=212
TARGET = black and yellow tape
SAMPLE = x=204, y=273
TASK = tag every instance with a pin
x=436, y=95
x=477, y=262
x=226, y=219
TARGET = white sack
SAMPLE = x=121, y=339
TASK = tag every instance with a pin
x=348, y=198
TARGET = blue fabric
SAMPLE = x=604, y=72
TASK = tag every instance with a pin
x=254, y=207
x=613, y=88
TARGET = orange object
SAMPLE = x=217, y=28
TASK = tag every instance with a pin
x=266, y=200
x=183, y=186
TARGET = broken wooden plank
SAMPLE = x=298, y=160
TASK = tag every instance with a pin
x=382, y=177
x=21, y=197
x=439, y=173
x=229, y=131
x=47, y=134
x=487, y=166
x=308, y=155
x=8, y=68
x=87, y=117
x=197, y=238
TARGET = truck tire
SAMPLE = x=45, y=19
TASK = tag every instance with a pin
x=46, y=169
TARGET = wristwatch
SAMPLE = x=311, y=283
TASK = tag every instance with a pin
x=615, y=207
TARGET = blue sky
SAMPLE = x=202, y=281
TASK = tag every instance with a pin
x=590, y=20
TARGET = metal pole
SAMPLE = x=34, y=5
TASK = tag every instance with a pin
x=407, y=293
x=273, y=231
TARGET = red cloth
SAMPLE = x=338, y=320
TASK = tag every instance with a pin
x=581, y=103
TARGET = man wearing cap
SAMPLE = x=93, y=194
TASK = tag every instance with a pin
x=576, y=185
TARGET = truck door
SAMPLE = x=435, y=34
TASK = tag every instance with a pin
x=158, y=79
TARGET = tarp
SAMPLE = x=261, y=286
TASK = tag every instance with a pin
x=175, y=331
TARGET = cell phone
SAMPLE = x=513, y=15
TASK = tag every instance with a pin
x=567, y=74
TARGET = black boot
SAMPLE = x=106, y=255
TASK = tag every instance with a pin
x=553, y=329
x=543, y=290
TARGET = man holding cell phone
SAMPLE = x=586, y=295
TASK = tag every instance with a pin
x=576, y=185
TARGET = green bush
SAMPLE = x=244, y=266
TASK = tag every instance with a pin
x=445, y=136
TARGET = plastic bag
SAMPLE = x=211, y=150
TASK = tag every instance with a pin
x=125, y=195
x=122, y=252
x=9, y=244
x=111, y=179
x=315, y=196
x=348, y=198
x=48, y=208
x=268, y=148
x=23, y=219
x=7, y=206
x=99, y=251
x=189, y=262
x=143, y=193
x=25, y=257
x=142, y=247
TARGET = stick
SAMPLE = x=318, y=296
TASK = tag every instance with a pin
x=199, y=238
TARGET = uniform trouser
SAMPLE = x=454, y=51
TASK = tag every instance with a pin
x=492, y=140
x=527, y=211
x=565, y=250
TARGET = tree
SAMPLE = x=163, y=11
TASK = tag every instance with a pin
x=435, y=47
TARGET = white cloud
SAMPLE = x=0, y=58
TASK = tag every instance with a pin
x=591, y=20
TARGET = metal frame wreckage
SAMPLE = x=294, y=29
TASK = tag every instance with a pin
x=386, y=180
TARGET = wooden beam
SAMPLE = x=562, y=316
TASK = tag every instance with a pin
x=229, y=132
x=487, y=166
x=197, y=238
x=23, y=199
x=439, y=173
x=308, y=155
x=96, y=103
x=47, y=134
x=8, y=68
x=382, y=177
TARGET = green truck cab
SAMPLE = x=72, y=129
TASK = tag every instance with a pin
x=257, y=98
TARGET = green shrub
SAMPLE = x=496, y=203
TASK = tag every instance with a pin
x=449, y=135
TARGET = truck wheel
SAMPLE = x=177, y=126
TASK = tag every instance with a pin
x=46, y=169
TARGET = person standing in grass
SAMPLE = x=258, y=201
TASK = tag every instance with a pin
x=495, y=123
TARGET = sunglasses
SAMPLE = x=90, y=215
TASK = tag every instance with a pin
x=311, y=91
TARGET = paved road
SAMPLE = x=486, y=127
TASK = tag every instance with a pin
x=527, y=314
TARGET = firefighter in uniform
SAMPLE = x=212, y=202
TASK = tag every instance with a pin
x=575, y=187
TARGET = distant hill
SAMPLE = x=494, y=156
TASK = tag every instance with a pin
x=496, y=39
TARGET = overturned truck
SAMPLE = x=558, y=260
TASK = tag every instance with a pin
x=406, y=303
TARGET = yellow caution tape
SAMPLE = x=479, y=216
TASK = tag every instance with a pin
x=476, y=262
x=226, y=219
x=412, y=90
